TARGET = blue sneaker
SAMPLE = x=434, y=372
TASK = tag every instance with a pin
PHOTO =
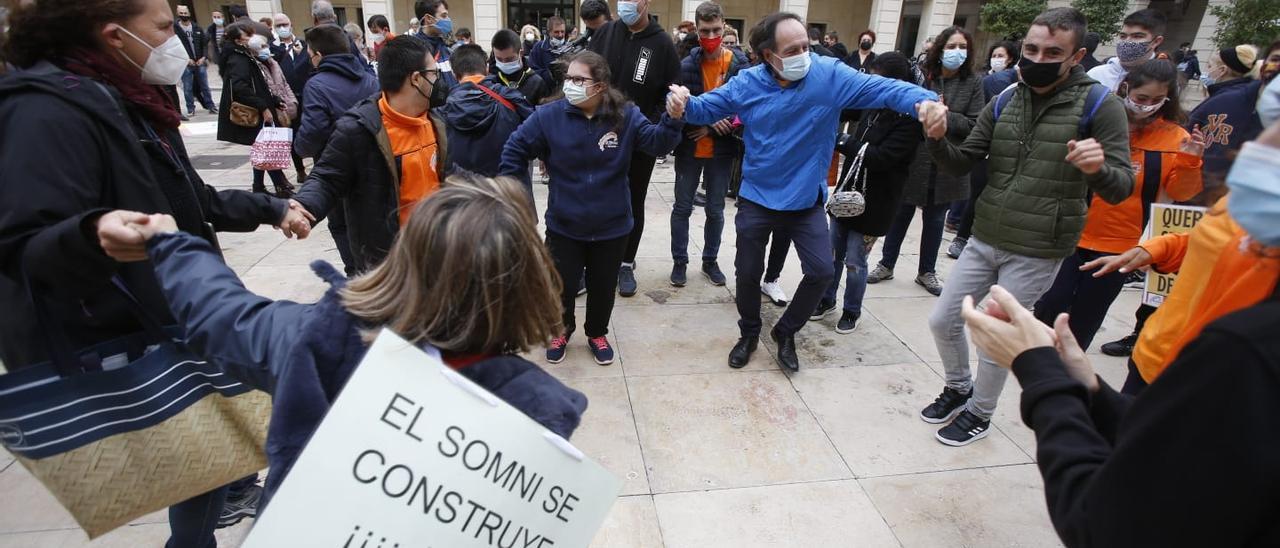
x=555, y=350
x=601, y=350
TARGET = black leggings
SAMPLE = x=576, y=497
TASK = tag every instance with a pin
x=1087, y=298
x=600, y=259
x=639, y=175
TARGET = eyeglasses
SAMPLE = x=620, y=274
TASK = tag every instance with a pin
x=428, y=72
x=580, y=80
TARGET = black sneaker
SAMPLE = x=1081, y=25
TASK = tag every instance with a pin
x=627, y=280
x=824, y=307
x=950, y=402
x=240, y=507
x=678, y=276
x=966, y=429
x=848, y=322
x=1122, y=347
x=712, y=270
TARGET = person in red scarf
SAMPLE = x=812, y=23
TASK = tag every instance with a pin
x=92, y=144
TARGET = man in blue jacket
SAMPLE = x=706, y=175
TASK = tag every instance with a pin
x=541, y=56
x=706, y=150
x=341, y=80
x=790, y=107
x=480, y=117
x=436, y=25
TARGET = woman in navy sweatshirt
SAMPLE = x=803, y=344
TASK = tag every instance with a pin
x=586, y=140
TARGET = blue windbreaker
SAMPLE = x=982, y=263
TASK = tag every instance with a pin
x=790, y=132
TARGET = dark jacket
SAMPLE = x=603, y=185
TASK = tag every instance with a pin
x=309, y=351
x=480, y=125
x=822, y=50
x=244, y=83
x=1228, y=118
x=1190, y=66
x=589, y=193
x=296, y=65
x=540, y=59
x=892, y=141
x=215, y=45
x=1194, y=461
x=1035, y=203
x=195, y=44
x=528, y=83
x=691, y=75
x=645, y=83
x=855, y=60
x=1089, y=61
x=81, y=154
x=437, y=46
x=840, y=50
x=927, y=185
x=358, y=172
x=340, y=82
x=993, y=84
x=1218, y=88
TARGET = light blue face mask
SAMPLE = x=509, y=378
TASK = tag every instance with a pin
x=1269, y=103
x=953, y=58
x=1254, y=201
x=445, y=25
x=629, y=12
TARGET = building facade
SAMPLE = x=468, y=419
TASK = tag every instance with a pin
x=899, y=24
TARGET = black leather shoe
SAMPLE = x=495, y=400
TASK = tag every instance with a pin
x=786, y=351
x=741, y=353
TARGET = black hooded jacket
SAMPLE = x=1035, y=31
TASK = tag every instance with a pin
x=479, y=125
x=643, y=64
x=84, y=152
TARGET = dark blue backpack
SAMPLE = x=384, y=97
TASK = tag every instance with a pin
x=1092, y=102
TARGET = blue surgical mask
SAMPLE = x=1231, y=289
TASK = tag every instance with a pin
x=953, y=58
x=575, y=93
x=445, y=25
x=1254, y=201
x=264, y=55
x=510, y=67
x=629, y=12
x=1269, y=103
x=794, y=68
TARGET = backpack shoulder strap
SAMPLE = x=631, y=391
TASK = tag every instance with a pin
x=497, y=97
x=1092, y=102
x=1003, y=99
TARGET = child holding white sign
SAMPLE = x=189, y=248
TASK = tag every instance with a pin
x=468, y=275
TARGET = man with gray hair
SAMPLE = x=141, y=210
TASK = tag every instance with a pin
x=322, y=12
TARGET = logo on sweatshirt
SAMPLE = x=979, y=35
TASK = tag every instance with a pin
x=642, y=65
x=610, y=140
x=1219, y=131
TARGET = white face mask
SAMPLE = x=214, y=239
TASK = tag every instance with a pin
x=166, y=63
x=795, y=67
x=999, y=63
x=576, y=94
x=510, y=67
x=530, y=36
x=1142, y=112
x=377, y=37
x=217, y=21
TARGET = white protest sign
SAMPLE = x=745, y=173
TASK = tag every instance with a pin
x=1166, y=219
x=413, y=454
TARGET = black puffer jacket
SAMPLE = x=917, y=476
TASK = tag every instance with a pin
x=244, y=83
x=82, y=153
x=358, y=172
x=892, y=142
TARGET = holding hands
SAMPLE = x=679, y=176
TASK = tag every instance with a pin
x=297, y=221
x=123, y=234
x=933, y=115
x=676, y=101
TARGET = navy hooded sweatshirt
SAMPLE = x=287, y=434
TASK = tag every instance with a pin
x=589, y=197
x=341, y=81
x=479, y=125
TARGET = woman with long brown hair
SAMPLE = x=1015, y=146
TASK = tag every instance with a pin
x=586, y=140
x=467, y=275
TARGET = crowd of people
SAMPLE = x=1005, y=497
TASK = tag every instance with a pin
x=425, y=146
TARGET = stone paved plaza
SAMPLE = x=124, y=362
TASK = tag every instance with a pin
x=834, y=455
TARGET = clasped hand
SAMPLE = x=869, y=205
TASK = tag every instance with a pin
x=123, y=234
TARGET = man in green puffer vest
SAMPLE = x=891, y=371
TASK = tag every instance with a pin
x=1045, y=157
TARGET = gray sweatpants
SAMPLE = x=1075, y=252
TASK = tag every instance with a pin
x=980, y=267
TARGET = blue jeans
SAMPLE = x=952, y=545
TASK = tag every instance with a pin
x=192, y=521
x=807, y=230
x=198, y=77
x=930, y=235
x=850, y=248
x=689, y=172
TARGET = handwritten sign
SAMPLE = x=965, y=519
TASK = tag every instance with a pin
x=1166, y=219
x=413, y=454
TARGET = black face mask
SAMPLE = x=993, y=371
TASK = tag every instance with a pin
x=866, y=44
x=184, y=18
x=1039, y=75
